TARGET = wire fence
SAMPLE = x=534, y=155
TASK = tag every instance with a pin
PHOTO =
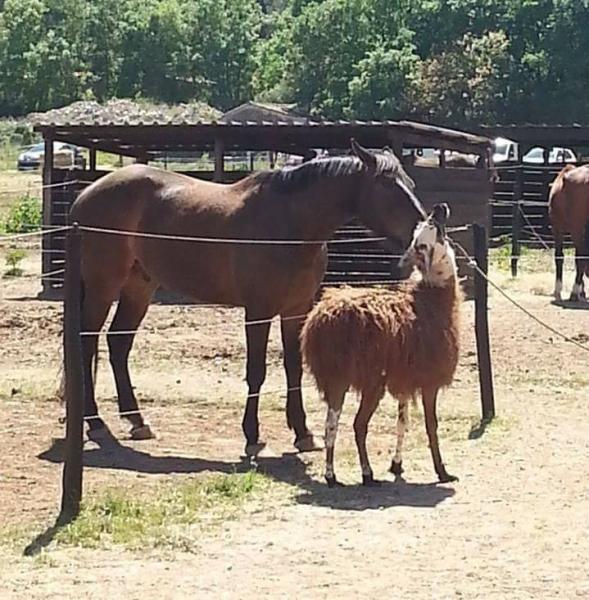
x=149, y=410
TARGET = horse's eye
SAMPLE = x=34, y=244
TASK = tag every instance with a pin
x=421, y=247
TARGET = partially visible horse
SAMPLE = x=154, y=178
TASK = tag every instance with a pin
x=307, y=203
x=568, y=211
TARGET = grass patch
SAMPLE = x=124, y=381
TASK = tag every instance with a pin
x=165, y=518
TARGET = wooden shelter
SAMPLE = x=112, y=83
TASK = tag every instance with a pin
x=266, y=128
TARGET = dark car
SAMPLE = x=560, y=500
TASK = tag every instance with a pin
x=64, y=155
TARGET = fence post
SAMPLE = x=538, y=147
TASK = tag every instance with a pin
x=74, y=378
x=482, y=323
x=516, y=220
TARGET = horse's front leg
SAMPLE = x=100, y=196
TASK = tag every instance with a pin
x=257, y=343
x=295, y=413
x=558, y=261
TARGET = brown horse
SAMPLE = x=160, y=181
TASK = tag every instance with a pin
x=306, y=203
x=568, y=211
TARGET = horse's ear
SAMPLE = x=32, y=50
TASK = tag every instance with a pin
x=367, y=157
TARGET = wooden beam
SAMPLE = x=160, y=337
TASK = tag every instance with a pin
x=92, y=165
x=47, y=210
x=219, y=160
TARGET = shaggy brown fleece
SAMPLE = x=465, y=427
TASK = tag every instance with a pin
x=401, y=339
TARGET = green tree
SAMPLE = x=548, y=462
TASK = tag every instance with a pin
x=223, y=37
x=384, y=85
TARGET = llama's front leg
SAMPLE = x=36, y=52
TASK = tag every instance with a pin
x=429, y=397
x=402, y=421
x=334, y=411
x=368, y=404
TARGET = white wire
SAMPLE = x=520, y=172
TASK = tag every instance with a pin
x=183, y=238
x=17, y=236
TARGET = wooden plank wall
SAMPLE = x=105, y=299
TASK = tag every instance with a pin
x=536, y=182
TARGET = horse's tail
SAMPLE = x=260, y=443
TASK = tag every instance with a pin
x=60, y=393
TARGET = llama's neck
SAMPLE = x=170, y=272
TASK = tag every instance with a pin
x=443, y=271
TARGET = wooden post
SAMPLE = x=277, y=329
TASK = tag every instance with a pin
x=482, y=323
x=219, y=174
x=516, y=220
x=74, y=378
x=92, y=164
x=46, y=243
x=251, y=157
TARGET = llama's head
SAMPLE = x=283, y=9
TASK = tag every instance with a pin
x=430, y=251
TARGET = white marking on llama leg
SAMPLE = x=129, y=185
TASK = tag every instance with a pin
x=331, y=424
x=401, y=428
x=558, y=290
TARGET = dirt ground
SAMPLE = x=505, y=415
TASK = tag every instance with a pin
x=514, y=526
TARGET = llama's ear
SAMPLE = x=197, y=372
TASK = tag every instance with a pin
x=441, y=213
x=364, y=155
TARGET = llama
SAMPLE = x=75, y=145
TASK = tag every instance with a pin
x=402, y=340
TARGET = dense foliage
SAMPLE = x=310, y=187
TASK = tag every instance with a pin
x=452, y=61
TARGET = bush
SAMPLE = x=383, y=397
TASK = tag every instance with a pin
x=24, y=215
x=13, y=258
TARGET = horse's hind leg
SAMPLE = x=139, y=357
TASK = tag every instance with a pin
x=133, y=303
x=95, y=306
x=295, y=413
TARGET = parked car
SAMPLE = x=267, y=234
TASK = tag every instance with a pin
x=64, y=155
x=557, y=155
x=508, y=151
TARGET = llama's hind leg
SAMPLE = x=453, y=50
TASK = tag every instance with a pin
x=368, y=404
x=430, y=397
x=335, y=401
x=402, y=421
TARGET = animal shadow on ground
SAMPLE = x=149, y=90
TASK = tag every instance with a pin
x=570, y=305
x=290, y=468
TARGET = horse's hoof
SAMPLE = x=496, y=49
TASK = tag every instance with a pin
x=447, y=478
x=99, y=434
x=254, y=449
x=308, y=444
x=333, y=482
x=369, y=481
x=143, y=432
x=397, y=468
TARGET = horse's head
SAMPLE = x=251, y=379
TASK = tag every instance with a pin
x=387, y=202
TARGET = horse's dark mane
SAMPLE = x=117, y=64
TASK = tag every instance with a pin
x=291, y=179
